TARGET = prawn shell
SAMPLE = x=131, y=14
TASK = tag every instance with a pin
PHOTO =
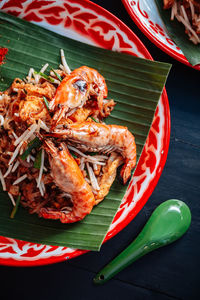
x=69, y=178
x=98, y=137
x=71, y=94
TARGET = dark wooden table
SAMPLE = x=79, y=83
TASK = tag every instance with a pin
x=172, y=272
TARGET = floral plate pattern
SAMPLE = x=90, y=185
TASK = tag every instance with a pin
x=88, y=22
x=146, y=16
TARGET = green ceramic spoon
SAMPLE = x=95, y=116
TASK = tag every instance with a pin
x=169, y=222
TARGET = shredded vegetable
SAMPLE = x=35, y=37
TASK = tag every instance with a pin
x=57, y=75
x=94, y=120
x=36, y=143
x=27, y=114
x=15, y=208
x=46, y=102
x=37, y=162
x=45, y=76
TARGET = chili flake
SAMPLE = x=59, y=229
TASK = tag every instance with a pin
x=3, y=52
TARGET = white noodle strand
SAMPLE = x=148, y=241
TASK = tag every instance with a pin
x=40, y=188
x=18, y=180
x=16, y=165
x=92, y=176
x=26, y=134
x=15, y=153
x=1, y=120
x=8, y=171
x=44, y=68
x=12, y=199
x=2, y=181
x=65, y=65
x=41, y=168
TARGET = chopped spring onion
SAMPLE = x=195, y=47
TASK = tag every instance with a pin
x=57, y=75
x=74, y=155
x=15, y=207
x=37, y=162
x=44, y=76
x=35, y=143
x=46, y=102
x=91, y=153
x=94, y=120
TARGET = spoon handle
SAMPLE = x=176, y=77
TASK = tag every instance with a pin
x=169, y=221
x=134, y=251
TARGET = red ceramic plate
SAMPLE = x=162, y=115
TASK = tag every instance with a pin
x=145, y=14
x=88, y=22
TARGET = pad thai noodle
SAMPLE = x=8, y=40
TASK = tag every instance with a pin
x=56, y=154
x=188, y=13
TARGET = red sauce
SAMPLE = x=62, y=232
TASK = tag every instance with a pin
x=3, y=52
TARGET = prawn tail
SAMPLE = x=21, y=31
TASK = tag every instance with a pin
x=126, y=170
x=64, y=217
x=129, y=155
x=49, y=214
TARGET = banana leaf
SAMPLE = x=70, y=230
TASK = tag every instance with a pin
x=135, y=84
x=176, y=31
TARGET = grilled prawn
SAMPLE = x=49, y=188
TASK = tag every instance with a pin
x=91, y=136
x=74, y=91
x=68, y=178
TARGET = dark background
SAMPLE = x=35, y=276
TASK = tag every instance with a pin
x=171, y=272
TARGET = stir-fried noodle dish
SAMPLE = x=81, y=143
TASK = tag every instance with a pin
x=58, y=158
x=186, y=12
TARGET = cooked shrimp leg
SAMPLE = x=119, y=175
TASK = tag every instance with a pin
x=109, y=174
x=75, y=90
x=91, y=136
x=68, y=178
